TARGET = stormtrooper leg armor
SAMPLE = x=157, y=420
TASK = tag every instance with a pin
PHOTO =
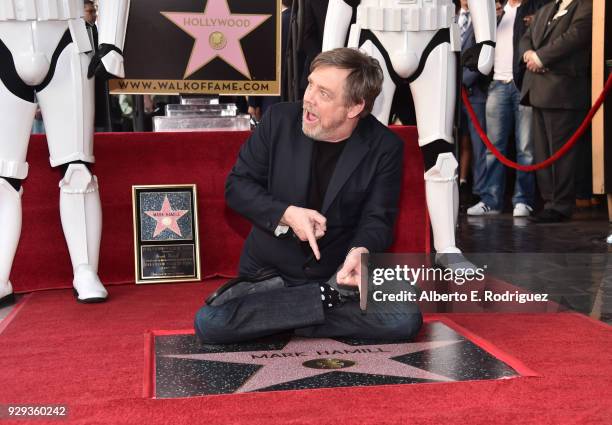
x=16, y=116
x=81, y=215
x=10, y=223
x=47, y=60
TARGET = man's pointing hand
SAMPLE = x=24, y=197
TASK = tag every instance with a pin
x=308, y=225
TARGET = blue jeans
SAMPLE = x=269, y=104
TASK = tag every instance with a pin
x=479, y=150
x=503, y=115
x=38, y=127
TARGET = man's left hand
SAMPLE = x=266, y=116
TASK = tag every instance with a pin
x=532, y=63
x=255, y=112
x=350, y=273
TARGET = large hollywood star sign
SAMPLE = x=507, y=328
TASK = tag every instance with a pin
x=202, y=46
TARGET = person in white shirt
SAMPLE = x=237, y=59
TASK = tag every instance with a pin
x=506, y=117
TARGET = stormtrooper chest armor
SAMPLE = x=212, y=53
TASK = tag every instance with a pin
x=405, y=15
x=40, y=10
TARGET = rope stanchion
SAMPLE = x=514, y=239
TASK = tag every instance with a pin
x=566, y=147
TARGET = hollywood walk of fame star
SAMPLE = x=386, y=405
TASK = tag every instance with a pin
x=217, y=33
x=287, y=365
x=166, y=218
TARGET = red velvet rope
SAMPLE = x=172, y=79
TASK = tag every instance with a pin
x=568, y=145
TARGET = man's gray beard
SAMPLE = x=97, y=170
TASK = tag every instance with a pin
x=314, y=134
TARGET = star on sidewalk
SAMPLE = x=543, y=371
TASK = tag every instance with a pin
x=304, y=358
x=217, y=33
x=166, y=218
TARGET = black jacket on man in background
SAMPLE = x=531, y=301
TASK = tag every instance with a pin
x=527, y=8
x=564, y=47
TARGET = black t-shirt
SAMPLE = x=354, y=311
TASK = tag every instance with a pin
x=324, y=159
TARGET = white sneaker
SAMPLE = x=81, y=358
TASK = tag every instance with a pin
x=482, y=209
x=522, y=210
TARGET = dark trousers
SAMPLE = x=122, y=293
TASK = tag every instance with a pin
x=584, y=168
x=552, y=128
x=273, y=306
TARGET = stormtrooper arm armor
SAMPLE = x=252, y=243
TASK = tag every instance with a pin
x=485, y=25
x=337, y=21
x=112, y=24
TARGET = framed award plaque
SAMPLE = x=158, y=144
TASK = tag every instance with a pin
x=166, y=240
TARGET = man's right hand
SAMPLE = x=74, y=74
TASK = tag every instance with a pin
x=308, y=225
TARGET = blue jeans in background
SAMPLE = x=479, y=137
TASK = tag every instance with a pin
x=38, y=127
x=504, y=115
x=479, y=150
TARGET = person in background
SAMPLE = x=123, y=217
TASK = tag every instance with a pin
x=101, y=97
x=499, y=9
x=556, y=51
x=90, y=13
x=505, y=116
x=476, y=86
x=39, y=126
x=259, y=104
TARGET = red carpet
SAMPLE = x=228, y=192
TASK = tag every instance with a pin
x=91, y=358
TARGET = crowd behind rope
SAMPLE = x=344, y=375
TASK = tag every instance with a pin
x=542, y=45
x=537, y=96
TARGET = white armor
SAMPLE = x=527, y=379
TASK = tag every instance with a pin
x=41, y=10
x=420, y=38
x=112, y=24
x=10, y=213
x=45, y=52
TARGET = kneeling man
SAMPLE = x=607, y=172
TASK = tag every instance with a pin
x=320, y=180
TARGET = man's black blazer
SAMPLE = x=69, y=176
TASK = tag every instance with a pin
x=564, y=47
x=273, y=172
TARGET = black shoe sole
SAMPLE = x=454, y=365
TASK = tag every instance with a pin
x=7, y=300
x=88, y=300
x=233, y=282
x=547, y=220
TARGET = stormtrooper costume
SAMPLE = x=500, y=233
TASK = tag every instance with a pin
x=415, y=41
x=45, y=54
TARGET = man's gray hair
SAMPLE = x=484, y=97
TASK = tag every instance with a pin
x=365, y=78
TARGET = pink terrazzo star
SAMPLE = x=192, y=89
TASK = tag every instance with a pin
x=217, y=33
x=286, y=365
x=166, y=218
